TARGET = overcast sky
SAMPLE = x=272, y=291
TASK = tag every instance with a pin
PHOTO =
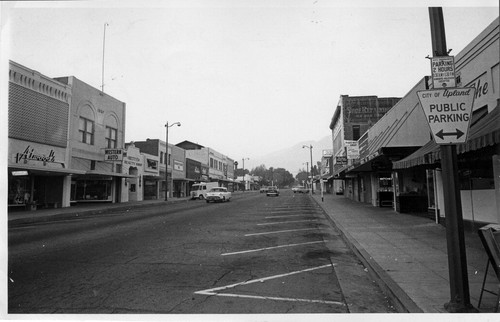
x=244, y=77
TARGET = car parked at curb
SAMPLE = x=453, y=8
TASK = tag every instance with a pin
x=300, y=189
x=263, y=189
x=218, y=194
x=272, y=191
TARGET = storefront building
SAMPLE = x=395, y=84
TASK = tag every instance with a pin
x=133, y=164
x=39, y=175
x=96, y=144
x=177, y=166
x=353, y=116
x=174, y=162
x=400, y=132
x=215, y=166
x=151, y=177
x=477, y=66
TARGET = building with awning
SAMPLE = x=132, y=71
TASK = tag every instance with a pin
x=399, y=163
x=477, y=66
x=396, y=135
x=352, y=117
x=479, y=170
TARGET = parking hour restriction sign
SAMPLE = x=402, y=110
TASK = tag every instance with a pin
x=443, y=71
x=448, y=112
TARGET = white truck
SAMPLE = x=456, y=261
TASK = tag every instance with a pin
x=199, y=190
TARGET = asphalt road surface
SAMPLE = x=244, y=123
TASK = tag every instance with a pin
x=255, y=254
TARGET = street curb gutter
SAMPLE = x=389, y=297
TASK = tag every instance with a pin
x=401, y=300
x=83, y=213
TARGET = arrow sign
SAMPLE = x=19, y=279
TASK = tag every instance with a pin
x=442, y=134
x=448, y=112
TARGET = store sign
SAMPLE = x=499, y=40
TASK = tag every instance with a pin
x=179, y=166
x=132, y=161
x=443, y=72
x=448, y=112
x=30, y=154
x=341, y=160
x=352, y=149
x=152, y=164
x=113, y=154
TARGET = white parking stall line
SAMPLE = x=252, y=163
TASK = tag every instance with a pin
x=214, y=291
x=269, y=248
x=286, y=222
x=285, y=216
x=274, y=298
x=280, y=231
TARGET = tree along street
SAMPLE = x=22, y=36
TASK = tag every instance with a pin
x=255, y=254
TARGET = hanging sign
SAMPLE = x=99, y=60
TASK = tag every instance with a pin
x=443, y=72
x=352, y=149
x=448, y=112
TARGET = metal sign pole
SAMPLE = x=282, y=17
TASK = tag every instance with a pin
x=457, y=263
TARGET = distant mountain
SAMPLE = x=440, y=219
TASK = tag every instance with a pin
x=293, y=159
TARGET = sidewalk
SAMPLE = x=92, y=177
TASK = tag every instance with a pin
x=407, y=254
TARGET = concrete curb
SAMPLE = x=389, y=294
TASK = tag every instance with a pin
x=401, y=300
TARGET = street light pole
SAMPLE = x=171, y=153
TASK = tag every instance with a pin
x=307, y=169
x=243, y=167
x=310, y=147
x=166, y=157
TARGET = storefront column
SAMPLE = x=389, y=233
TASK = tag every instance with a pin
x=66, y=193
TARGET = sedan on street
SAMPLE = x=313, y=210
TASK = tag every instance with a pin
x=218, y=194
x=272, y=191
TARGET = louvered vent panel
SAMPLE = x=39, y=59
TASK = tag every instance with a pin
x=36, y=117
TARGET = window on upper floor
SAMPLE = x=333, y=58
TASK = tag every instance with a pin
x=356, y=132
x=111, y=138
x=86, y=130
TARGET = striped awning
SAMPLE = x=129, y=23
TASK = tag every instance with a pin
x=484, y=133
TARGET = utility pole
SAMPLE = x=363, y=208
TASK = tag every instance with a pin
x=457, y=262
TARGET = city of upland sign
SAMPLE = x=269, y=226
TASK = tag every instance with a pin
x=448, y=112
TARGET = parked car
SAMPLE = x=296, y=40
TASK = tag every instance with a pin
x=263, y=189
x=218, y=194
x=300, y=189
x=272, y=191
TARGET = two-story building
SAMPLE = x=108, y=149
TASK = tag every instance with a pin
x=39, y=171
x=95, y=143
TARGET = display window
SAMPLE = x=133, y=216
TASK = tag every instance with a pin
x=19, y=190
x=91, y=190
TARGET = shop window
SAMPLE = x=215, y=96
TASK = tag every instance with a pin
x=93, y=190
x=111, y=138
x=86, y=130
x=18, y=190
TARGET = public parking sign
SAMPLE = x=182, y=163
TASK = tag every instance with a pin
x=448, y=112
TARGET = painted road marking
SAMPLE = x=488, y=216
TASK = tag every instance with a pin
x=280, y=231
x=274, y=247
x=286, y=222
x=213, y=291
x=285, y=216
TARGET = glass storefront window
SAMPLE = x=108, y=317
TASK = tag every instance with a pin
x=91, y=190
x=18, y=190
